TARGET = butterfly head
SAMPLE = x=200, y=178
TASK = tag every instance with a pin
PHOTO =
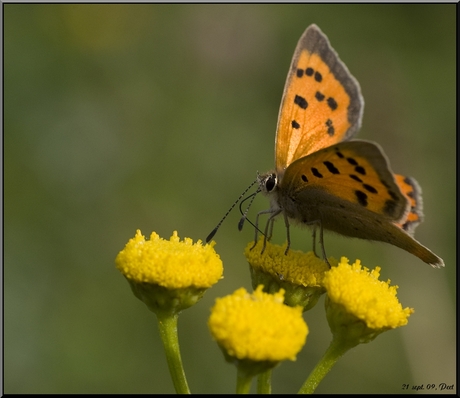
x=267, y=182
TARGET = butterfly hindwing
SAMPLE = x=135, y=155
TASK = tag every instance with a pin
x=355, y=174
x=410, y=188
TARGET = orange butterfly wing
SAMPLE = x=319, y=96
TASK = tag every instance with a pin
x=353, y=176
x=347, y=187
x=350, y=188
x=412, y=191
x=322, y=103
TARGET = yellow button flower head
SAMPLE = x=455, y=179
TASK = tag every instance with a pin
x=178, y=272
x=257, y=328
x=354, y=293
x=299, y=274
x=358, y=308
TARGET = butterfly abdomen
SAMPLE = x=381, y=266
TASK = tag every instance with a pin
x=335, y=215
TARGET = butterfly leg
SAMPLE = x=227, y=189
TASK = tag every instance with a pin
x=315, y=224
x=313, y=235
x=321, y=242
x=270, y=220
x=269, y=226
x=269, y=232
x=288, y=234
x=256, y=229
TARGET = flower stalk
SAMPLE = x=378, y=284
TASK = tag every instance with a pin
x=258, y=330
x=243, y=381
x=336, y=349
x=359, y=307
x=264, y=382
x=169, y=276
x=167, y=324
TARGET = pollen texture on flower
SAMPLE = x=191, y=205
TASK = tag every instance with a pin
x=297, y=267
x=170, y=263
x=362, y=294
x=258, y=326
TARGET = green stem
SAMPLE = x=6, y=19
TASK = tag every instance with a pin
x=167, y=324
x=243, y=381
x=264, y=382
x=336, y=349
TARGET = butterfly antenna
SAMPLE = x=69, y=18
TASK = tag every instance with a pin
x=213, y=232
x=245, y=213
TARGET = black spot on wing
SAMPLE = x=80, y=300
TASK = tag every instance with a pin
x=319, y=96
x=362, y=198
x=369, y=188
x=339, y=154
x=301, y=101
x=295, y=125
x=316, y=173
x=332, y=103
x=355, y=177
x=330, y=127
x=360, y=170
x=390, y=207
x=330, y=166
x=352, y=161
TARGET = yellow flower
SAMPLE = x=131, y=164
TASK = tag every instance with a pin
x=355, y=293
x=299, y=274
x=358, y=308
x=257, y=326
x=172, y=264
x=168, y=276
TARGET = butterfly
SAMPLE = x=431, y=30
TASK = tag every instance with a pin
x=324, y=179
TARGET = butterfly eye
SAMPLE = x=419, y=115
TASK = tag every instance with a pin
x=270, y=182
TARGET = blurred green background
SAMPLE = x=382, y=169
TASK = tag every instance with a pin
x=118, y=117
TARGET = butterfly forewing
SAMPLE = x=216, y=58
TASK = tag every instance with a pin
x=322, y=103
